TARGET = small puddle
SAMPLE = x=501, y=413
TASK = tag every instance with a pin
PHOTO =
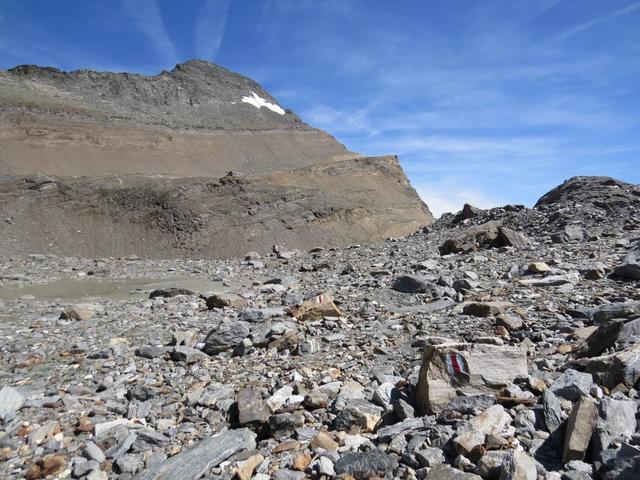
x=106, y=288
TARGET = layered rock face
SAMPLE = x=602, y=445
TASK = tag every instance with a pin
x=147, y=155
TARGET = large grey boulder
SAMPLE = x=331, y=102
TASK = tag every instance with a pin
x=226, y=336
x=488, y=235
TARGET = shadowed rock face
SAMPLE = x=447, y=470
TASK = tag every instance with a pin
x=99, y=163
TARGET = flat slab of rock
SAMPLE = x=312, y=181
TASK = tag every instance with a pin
x=372, y=464
x=468, y=368
x=194, y=462
x=551, y=280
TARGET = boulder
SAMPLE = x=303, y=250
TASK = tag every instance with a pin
x=572, y=384
x=225, y=337
x=488, y=235
x=617, y=421
x=448, y=369
x=412, y=284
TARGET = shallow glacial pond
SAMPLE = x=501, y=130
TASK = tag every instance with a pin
x=105, y=288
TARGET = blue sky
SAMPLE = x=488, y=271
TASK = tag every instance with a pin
x=488, y=102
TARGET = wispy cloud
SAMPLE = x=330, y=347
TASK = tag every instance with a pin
x=577, y=29
x=210, y=27
x=340, y=121
x=148, y=18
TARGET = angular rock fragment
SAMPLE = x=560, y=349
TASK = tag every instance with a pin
x=519, y=466
x=580, y=426
x=472, y=435
x=252, y=409
x=572, y=384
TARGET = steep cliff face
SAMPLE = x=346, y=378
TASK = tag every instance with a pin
x=98, y=164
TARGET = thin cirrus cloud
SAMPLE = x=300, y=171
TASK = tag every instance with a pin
x=148, y=19
x=212, y=20
x=341, y=121
x=577, y=29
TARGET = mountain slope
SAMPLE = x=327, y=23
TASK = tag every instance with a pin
x=98, y=164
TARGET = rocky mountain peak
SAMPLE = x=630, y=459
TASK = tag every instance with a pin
x=195, y=94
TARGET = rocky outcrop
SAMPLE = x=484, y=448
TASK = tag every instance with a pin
x=149, y=158
x=206, y=218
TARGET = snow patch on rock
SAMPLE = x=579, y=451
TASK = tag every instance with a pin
x=259, y=102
